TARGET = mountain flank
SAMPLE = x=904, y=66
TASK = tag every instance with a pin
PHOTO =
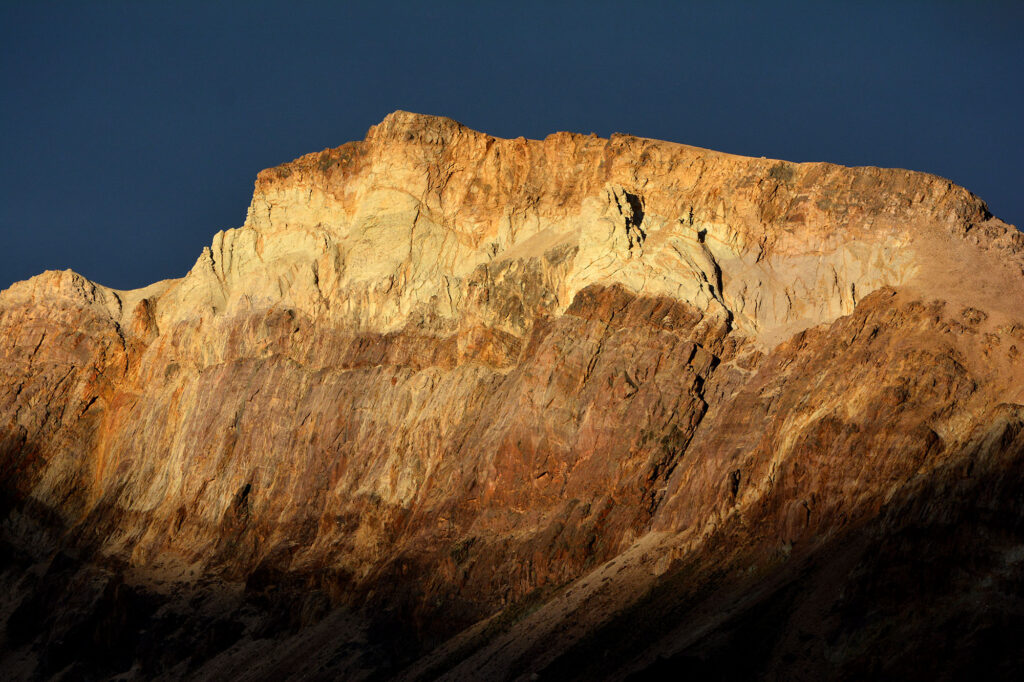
x=449, y=406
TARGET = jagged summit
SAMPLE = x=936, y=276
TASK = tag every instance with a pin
x=409, y=216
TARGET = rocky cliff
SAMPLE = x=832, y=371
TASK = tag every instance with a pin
x=448, y=405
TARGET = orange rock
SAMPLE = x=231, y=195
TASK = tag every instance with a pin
x=537, y=390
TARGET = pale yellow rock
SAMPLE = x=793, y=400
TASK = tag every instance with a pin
x=418, y=365
x=402, y=233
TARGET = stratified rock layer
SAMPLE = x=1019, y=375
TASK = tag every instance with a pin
x=608, y=407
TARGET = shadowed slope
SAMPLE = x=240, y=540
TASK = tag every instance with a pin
x=441, y=381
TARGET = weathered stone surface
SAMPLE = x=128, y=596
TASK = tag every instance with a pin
x=568, y=397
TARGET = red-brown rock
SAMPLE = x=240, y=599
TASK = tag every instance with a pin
x=454, y=405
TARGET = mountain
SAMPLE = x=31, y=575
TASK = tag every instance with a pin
x=448, y=405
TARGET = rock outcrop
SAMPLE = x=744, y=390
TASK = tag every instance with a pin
x=448, y=404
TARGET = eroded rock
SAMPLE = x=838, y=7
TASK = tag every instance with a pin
x=526, y=390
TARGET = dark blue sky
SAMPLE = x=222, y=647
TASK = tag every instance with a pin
x=132, y=132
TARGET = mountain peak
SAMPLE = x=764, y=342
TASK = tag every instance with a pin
x=406, y=126
x=570, y=397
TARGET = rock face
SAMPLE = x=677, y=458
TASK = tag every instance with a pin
x=452, y=405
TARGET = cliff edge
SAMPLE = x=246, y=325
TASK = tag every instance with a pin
x=454, y=405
